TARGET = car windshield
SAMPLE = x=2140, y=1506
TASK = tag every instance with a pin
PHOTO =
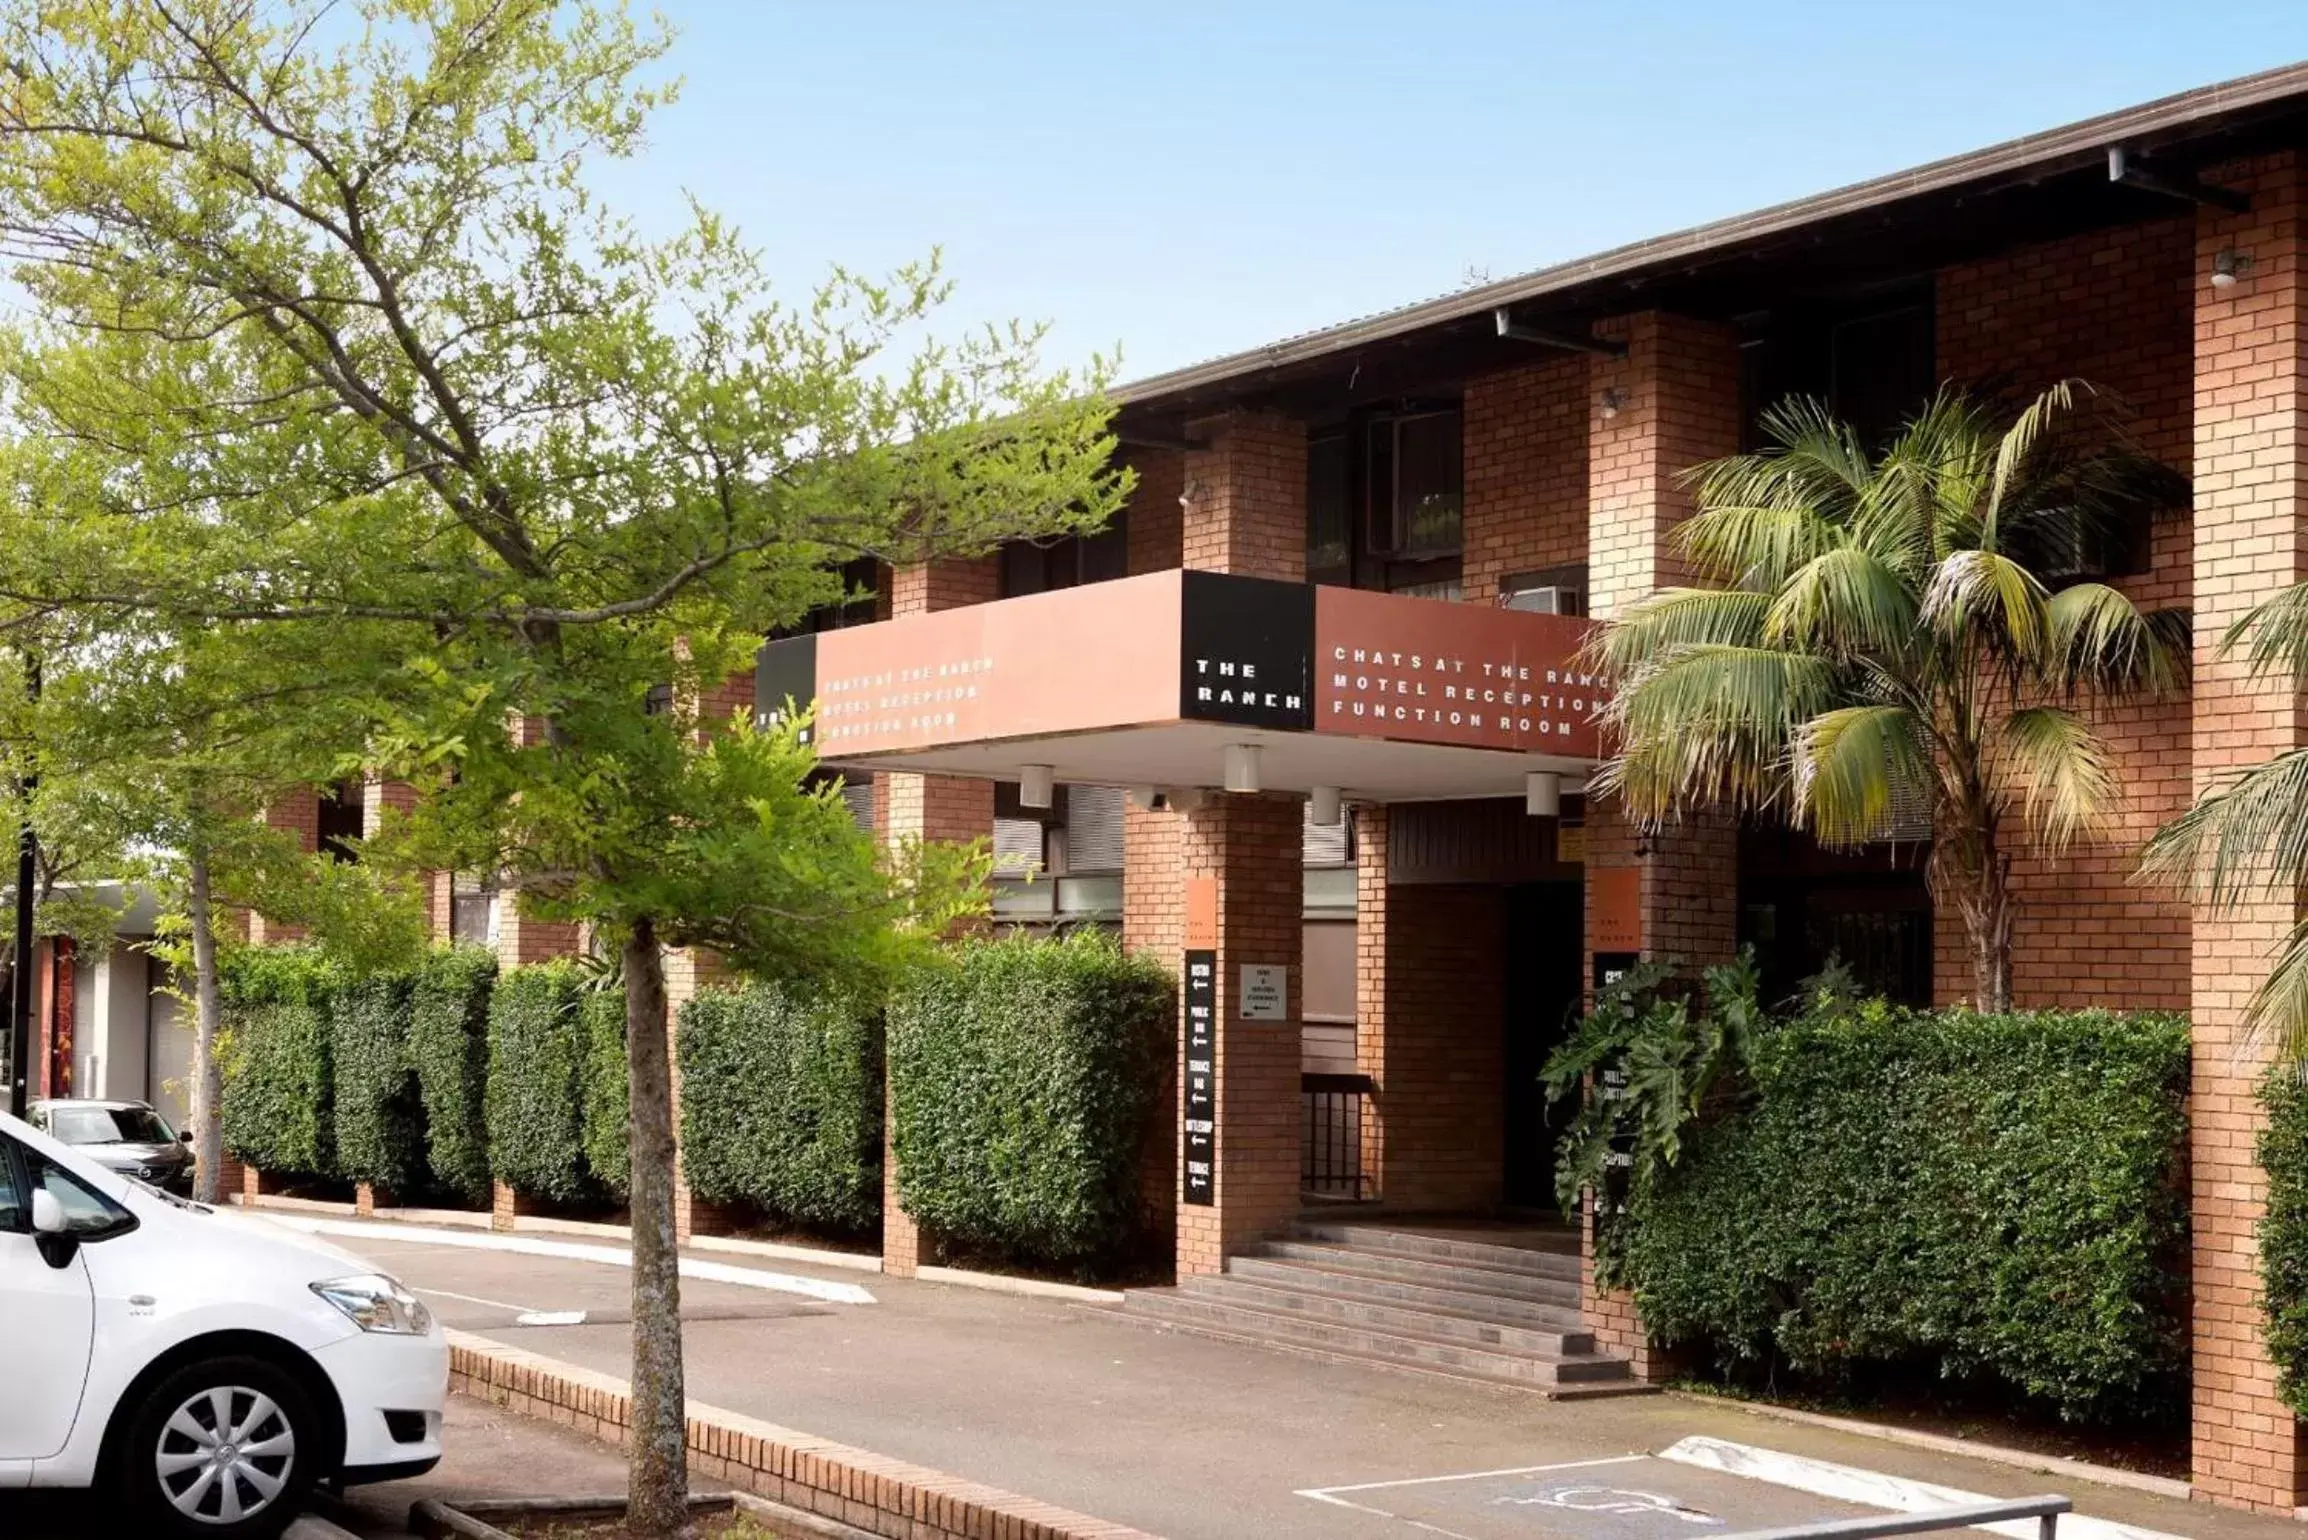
x=108, y=1125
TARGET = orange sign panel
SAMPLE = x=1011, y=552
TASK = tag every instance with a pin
x=1614, y=909
x=1201, y=914
x=1389, y=666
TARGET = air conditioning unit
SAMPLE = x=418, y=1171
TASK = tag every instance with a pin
x=1551, y=599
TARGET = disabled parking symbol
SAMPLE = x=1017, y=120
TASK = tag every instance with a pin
x=1621, y=1502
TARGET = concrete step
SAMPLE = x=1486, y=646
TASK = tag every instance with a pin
x=1551, y=1254
x=1438, y=1354
x=1460, y=1276
x=1558, y=1310
x=1481, y=1330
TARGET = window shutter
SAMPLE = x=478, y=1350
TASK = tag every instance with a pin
x=1324, y=845
x=1094, y=828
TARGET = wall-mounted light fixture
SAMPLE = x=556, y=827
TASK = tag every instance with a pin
x=1323, y=806
x=1543, y=794
x=2229, y=266
x=1242, y=767
x=1613, y=401
x=1034, y=785
x=1143, y=797
x=1190, y=491
x=1184, y=799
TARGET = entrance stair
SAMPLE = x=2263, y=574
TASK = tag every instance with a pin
x=1501, y=1306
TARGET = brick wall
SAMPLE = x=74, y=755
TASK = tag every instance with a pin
x=943, y=585
x=2251, y=455
x=1443, y=1061
x=2114, y=307
x=1250, y=846
x=1155, y=529
x=1246, y=500
x=1526, y=473
x=296, y=813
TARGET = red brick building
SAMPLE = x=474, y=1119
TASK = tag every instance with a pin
x=1333, y=771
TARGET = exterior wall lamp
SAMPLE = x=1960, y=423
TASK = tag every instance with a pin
x=1543, y=794
x=1613, y=401
x=1035, y=783
x=1242, y=767
x=2229, y=266
x=1323, y=806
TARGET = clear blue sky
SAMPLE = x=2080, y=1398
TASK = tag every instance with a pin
x=1192, y=177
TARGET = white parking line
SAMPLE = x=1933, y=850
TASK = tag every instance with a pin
x=1331, y=1494
x=475, y=1299
x=574, y=1251
x=1875, y=1489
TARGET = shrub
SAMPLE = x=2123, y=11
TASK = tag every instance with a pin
x=278, y=1101
x=380, y=1118
x=1991, y=1194
x=535, y=1100
x=449, y=1050
x=2284, y=1229
x=781, y=1104
x=1021, y=1079
x=608, y=1142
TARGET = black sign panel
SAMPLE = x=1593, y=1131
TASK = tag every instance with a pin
x=1610, y=1084
x=784, y=672
x=1246, y=651
x=1200, y=1161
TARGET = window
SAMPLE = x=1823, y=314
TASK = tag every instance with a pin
x=473, y=908
x=13, y=1215
x=1871, y=358
x=1385, y=500
x=338, y=820
x=108, y=1125
x=1037, y=566
x=87, y=1213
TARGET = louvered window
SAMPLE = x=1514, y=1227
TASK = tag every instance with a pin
x=1094, y=828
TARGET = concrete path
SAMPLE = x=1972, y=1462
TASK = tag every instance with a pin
x=1199, y=1440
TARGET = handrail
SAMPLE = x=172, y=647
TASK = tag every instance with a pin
x=2046, y=1510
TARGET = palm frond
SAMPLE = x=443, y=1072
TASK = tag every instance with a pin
x=1753, y=546
x=2246, y=837
x=2019, y=441
x=2274, y=635
x=1670, y=620
x=1932, y=480
x=1711, y=725
x=2100, y=641
x=1841, y=603
x=1851, y=766
x=2279, y=1007
x=1971, y=589
x=2058, y=767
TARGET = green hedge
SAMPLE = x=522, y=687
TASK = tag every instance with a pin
x=279, y=1112
x=1995, y=1194
x=608, y=1141
x=380, y=1118
x=2284, y=1230
x=449, y=1050
x=536, y=1104
x=781, y=1104
x=1021, y=1080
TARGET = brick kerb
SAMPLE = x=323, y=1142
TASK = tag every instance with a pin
x=888, y=1497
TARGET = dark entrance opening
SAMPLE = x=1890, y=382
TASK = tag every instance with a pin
x=1545, y=940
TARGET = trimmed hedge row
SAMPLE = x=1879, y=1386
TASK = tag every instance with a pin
x=449, y=1051
x=781, y=1104
x=275, y=1049
x=1996, y=1194
x=379, y=1114
x=1022, y=1077
x=2283, y=1151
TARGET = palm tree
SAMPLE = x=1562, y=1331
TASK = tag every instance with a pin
x=2247, y=837
x=1873, y=641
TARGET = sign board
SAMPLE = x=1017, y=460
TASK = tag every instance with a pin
x=1571, y=844
x=1615, y=908
x=1202, y=914
x=1265, y=992
x=1198, y=1164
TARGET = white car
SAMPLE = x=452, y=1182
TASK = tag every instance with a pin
x=203, y=1367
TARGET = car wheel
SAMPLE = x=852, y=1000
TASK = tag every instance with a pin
x=225, y=1449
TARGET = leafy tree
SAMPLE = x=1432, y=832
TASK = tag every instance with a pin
x=1873, y=637
x=331, y=335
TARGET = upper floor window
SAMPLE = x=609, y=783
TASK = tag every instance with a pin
x=1385, y=500
x=339, y=821
x=860, y=578
x=1872, y=359
x=1037, y=566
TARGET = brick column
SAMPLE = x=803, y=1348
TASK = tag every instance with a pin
x=689, y=972
x=1248, y=848
x=927, y=807
x=1245, y=499
x=1373, y=824
x=296, y=813
x=379, y=797
x=1673, y=895
x=1154, y=924
x=2251, y=454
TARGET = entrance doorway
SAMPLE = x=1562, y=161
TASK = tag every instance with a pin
x=1545, y=945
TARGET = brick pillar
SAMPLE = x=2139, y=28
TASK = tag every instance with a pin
x=380, y=797
x=927, y=807
x=1245, y=508
x=1248, y=849
x=1672, y=895
x=1153, y=923
x=2251, y=455
x=297, y=813
x=689, y=972
x=1372, y=828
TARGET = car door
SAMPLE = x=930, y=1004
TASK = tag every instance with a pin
x=50, y=1316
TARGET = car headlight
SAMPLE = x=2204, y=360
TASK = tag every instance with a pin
x=374, y=1302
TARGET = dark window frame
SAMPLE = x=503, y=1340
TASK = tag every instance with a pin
x=1346, y=509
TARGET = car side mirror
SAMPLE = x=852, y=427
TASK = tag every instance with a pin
x=51, y=1231
x=184, y=1136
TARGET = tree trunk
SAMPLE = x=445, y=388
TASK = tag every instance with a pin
x=1986, y=907
x=658, y=1478
x=207, y=1074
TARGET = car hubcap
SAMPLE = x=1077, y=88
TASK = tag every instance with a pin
x=225, y=1455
